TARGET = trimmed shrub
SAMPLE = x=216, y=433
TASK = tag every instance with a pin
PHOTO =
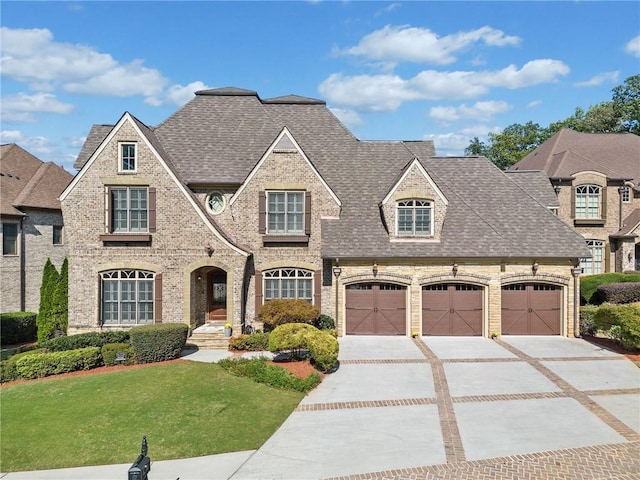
x=589, y=283
x=621, y=322
x=617, y=293
x=157, y=343
x=324, y=322
x=254, y=342
x=587, y=319
x=46, y=320
x=17, y=327
x=260, y=371
x=53, y=363
x=324, y=348
x=90, y=339
x=8, y=370
x=111, y=350
x=291, y=337
x=60, y=301
x=280, y=312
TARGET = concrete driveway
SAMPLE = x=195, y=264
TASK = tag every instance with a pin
x=441, y=408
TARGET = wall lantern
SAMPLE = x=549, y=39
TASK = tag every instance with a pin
x=557, y=189
x=208, y=249
x=534, y=267
x=375, y=269
x=454, y=269
x=337, y=270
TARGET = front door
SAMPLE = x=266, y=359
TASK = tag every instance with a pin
x=217, y=296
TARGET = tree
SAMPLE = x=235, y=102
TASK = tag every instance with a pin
x=45, y=319
x=60, y=310
x=513, y=143
x=626, y=104
x=476, y=148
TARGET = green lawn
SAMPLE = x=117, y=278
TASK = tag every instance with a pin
x=589, y=283
x=186, y=409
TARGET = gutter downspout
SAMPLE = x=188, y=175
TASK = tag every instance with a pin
x=23, y=263
x=576, y=271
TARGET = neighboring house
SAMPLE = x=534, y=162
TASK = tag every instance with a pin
x=32, y=227
x=235, y=200
x=597, y=180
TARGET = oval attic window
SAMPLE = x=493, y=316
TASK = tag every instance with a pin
x=215, y=202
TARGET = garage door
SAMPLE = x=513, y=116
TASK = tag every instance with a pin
x=531, y=309
x=376, y=309
x=451, y=309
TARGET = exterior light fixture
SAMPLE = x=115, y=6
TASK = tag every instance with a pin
x=534, y=267
x=375, y=269
x=454, y=269
x=208, y=249
x=557, y=189
x=336, y=272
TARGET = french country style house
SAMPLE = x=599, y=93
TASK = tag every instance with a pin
x=235, y=200
x=597, y=180
x=32, y=227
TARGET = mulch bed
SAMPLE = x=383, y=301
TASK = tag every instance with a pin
x=613, y=346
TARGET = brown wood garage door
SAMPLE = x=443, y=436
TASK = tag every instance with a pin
x=376, y=309
x=451, y=309
x=531, y=309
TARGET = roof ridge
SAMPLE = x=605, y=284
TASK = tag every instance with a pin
x=31, y=184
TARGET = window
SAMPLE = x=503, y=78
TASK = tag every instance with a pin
x=57, y=235
x=285, y=212
x=215, y=202
x=9, y=238
x=588, y=201
x=129, y=209
x=128, y=157
x=625, y=194
x=414, y=217
x=127, y=297
x=594, y=264
x=288, y=283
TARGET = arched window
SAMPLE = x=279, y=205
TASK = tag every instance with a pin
x=588, y=201
x=288, y=283
x=127, y=297
x=594, y=263
x=414, y=218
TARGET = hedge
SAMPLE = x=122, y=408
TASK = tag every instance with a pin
x=621, y=322
x=18, y=327
x=54, y=363
x=323, y=347
x=260, y=371
x=158, y=342
x=617, y=293
x=8, y=370
x=282, y=311
x=589, y=283
x=254, y=342
x=90, y=339
x=110, y=351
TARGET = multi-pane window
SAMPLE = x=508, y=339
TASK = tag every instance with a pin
x=127, y=297
x=130, y=209
x=9, y=238
x=594, y=264
x=128, y=157
x=57, y=235
x=625, y=194
x=588, y=201
x=288, y=283
x=285, y=212
x=414, y=217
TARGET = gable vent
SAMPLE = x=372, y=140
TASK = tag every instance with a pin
x=285, y=145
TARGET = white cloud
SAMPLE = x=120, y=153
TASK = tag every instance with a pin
x=10, y=136
x=33, y=56
x=482, y=111
x=389, y=8
x=633, y=47
x=387, y=92
x=534, y=103
x=21, y=107
x=349, y=117
x=421, y=45
x=449, y=144
x=177, y=94
x=599, y=79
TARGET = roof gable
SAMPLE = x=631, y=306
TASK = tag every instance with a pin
x=416, y=165
x=284, y=142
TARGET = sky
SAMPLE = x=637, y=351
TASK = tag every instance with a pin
x=410, y=70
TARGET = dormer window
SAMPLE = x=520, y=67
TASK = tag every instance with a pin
x=128, y=157
x=414, y=218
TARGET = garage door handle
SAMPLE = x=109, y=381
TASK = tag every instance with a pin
x=530, y=310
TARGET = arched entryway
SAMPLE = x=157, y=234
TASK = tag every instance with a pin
x=376, y=308
x=210, y=295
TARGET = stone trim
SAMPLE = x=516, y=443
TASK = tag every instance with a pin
x=537, y=278
x=381, y=277
x=457, y=278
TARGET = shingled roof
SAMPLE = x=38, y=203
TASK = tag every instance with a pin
x=616, y=155
x=27, y=182
x=221, y=134
x=537, y=184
